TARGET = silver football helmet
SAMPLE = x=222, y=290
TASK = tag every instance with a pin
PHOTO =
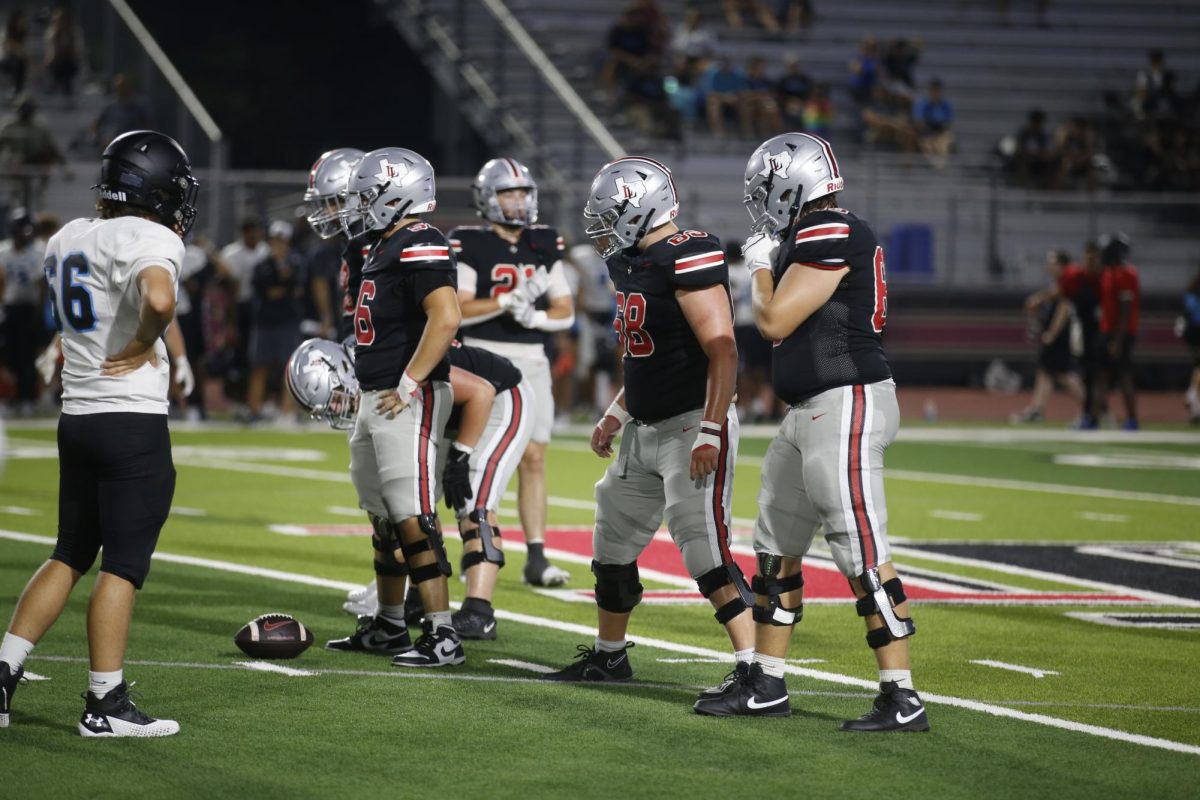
x=386, y=185
x=320, y=375
x=500, y=175
x=326, y=180
x=784, y=173
x=629, y=197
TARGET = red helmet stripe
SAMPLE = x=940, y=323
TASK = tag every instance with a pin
x=833, y=165
x=513, y=166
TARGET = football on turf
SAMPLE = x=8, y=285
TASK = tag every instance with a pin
x=273, y=636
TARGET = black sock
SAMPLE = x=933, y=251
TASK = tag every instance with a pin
x=478, y=605
x=536, y=551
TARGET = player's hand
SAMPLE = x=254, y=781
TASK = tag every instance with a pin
x=706, y=452
x=456, y=477
x=527, y=316
x=533, y=288
x=392, y=403
x=602, y=436
x=47, y=362
x=131, y=357
x=759, y=252
x=183, y=375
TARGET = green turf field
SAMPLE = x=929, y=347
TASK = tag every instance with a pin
x=1112, y=711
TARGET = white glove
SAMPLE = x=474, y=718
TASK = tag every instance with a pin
x=529, y=317
x=47, y=362
x=183, y=375
x=514, y=303
x=759, y=252
x=535, y=287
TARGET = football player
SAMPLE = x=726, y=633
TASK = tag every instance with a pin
x=820, y=294
x=513, y=291
x=404, y=320
x=112, y=282
x=323, y=198
x=675, y=324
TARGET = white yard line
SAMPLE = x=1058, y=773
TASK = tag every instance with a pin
x=528, y=666
x=1145, y=558
x=1037, y=673
x=184, y=511
x=1095, y=516
x=1044, y=488
x=346, y=511
x=267, y=666
x=20, y=511
x=588, y=631
x=957, y=516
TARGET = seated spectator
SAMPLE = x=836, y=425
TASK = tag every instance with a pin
x=933, y=117
x=900, y=60
x=279, y=283
x=64, y=51
x=757, y=9
x=760, y=112
x=864, y=71
x=1154, y=88
x=722, y=85
x=794, y=15
x=683, y=90
x=629, y=48
x=124, y=113
x=1034, y=158
x=25, y=139
x=793, y=91
x=1075, y=150
x=888, y=120
x=15, y=61
x=818, y=111
x=692, y=39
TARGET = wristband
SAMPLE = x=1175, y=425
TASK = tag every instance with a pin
x=617, y=412
x=408, y=387
x=709, y=435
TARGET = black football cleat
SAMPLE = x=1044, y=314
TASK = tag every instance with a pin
x=540, y=572
x=592, y=665
x=440, y=648
x=895, y=709
x=8, y=684
x=475, y=620
x=756, y=695
x=374, y=635
x=116, y=715
x=730, y=683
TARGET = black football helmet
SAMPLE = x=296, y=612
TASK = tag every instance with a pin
x=149, y=170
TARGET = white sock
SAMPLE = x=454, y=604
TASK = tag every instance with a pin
x=744, y=656
x=901, y=677
x=393, y=614
x=14, y=650
x=101, y=683
x=770, y=665
x=605, y=646
x=439, y=619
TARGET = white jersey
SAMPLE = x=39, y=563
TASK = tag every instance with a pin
x=22, y=272
x=92, y=267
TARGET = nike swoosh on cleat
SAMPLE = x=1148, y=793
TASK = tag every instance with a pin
x=489, y=627
x=446, y=649
x=615, y=662
x=753, y=702
x=903, y=720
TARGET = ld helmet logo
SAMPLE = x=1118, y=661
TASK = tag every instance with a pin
x=776, y=164
x=633, y=192
x=389, y=172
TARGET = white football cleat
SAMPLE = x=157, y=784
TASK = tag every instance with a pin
x=116, y=715
x=362, y=600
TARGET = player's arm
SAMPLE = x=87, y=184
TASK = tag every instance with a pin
x=179, y=361
x=442, y=319
x=779, y=310
x=1062, y=315
x=609, y=426
x=157, y=288
x=709, y=314
x=476, y=309
x=321, y=300
x=1041, y=296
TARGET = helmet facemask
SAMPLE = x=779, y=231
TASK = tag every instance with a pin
x=605, y=239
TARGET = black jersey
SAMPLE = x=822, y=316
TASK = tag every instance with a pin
x=498, y=265
x=349, y=279
x=397, y=275
x=666, y=370
x=841, y=343
x=501, y=373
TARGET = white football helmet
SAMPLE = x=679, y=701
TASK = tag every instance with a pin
x=320, y=375
x=326, y=180
x=499, y=175
x=629, y=197
x=386, y=185
x=784, y=173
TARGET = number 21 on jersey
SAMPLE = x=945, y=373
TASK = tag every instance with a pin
x=629, y=322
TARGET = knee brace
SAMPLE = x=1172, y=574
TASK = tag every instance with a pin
x=617, y=586
x=487, y=537
x=881, y=599
x=432, y=541
x=723, y=576
x=769, y=585
x=385, y=542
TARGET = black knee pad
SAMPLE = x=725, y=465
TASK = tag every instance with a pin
x=881, y=599
x=432, y=541
x=385, y=542
x=618, y=588
x=487, y=536
x=767, y=584
x=722, y=576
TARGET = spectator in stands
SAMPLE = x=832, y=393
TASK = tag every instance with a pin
x=864, y=71
x=25, y=139
x=888, y=120
x=124, y=113
x=16, y=59
x=23, y=289
x=760, y=111
x=794, y=15
x=1051, y=313
x=722, y=85
x=793, y=90
x=64, y=51
x=1120, y=303
x=636, y=43
x=1075, y=151
x=1190, y=334
x=900, y=60
x=692, y=39
x=279, y=281
x=237, y=263
x=1154, y=87
x=1034, y=158
x=818, y=111
x=683, y=89
x=933, y=116
x=757, y=9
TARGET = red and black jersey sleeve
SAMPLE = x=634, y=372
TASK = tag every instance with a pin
x=820, y=239
x=423, y=247
x=697, y=260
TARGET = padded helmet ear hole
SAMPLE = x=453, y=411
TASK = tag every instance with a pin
x=635, y=220
x=785, y=196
